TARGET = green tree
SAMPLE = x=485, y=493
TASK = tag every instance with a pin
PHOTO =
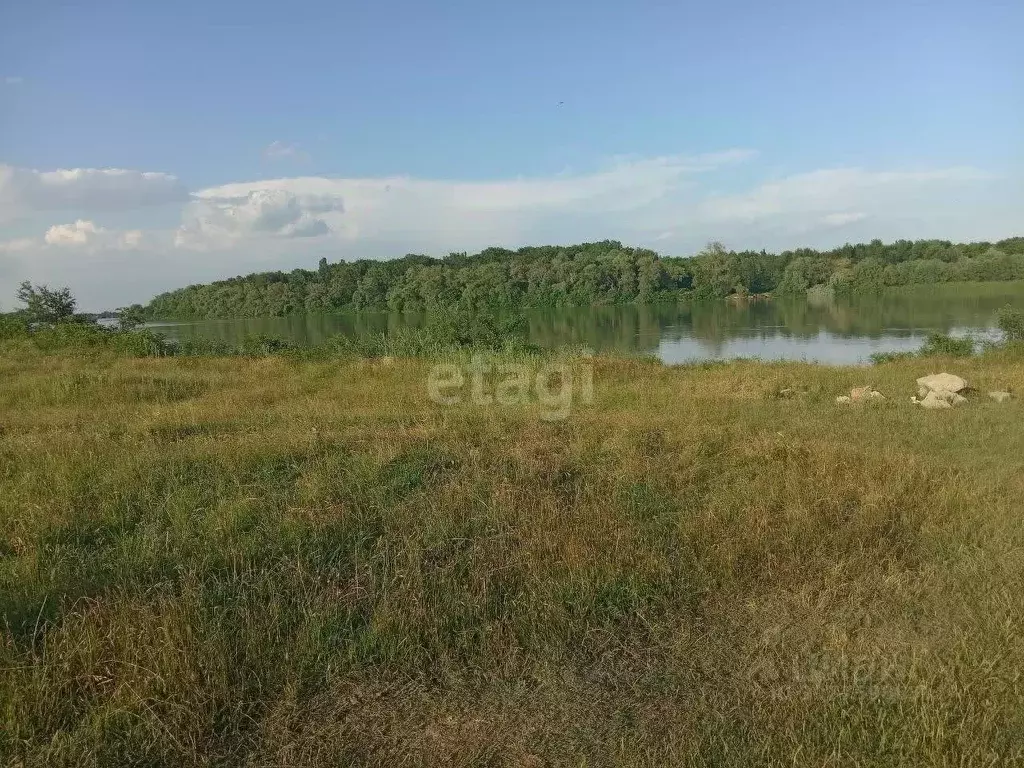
x=46, y=305
x=129, y=318
x=589, y=274
x=796, y=279
x=714, y=272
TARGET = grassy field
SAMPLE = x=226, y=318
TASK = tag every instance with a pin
x=263, y=562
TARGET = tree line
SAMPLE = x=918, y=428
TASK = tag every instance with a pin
x=605, y=272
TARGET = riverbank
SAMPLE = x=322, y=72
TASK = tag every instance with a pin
x=270, y=561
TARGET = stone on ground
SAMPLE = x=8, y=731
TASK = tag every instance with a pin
x=933, y=401
x=859, y=393
x=1000, y=397
x=864, y=394
x=940, y=382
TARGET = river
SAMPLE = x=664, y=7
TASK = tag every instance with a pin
x=840, y=331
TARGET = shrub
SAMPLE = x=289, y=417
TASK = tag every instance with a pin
x=461, y=328
x=261, y=344
x=138, y=343
x=444, y=331
x=12, y=327
x=61, y=336
x=130, y=318
x=939, y=344
x=197, y=346
x=76, y=336
x=1011, y=323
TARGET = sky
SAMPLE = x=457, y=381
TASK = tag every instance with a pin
x=148, y=146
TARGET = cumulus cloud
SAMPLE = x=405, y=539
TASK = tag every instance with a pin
x=437, y=212
x=85, y=234
x=80, y=235
x=24, y=190
x=77, y=233
x=218, y=219
x=100, y=265
x=660, y=202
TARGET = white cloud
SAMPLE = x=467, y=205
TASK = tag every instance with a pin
x=19, y=244
x=826, y=190
x=80, y=235
x=13, y=80
x=841, y=219
x=660, y=202
x=99, y=264
x=218, y=220
x=282, y=150
x=85, y=234
x=132, y=238
x=24, y=190
x=77, y=233
x=437, y=213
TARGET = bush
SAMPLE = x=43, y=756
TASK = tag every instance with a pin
x=1011, y=323
x=73, y=336
x=62, y=336
x=939, y=344
x=198, y=346
x=444, y=331
x=261, y=345
x=12, y=327
x=139, y=343
x=482, y=330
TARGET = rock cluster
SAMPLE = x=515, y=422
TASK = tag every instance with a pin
x=935, y=392
x=944, y=390
x=940, y=390
x=867, y=394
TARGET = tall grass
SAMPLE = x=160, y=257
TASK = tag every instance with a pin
x=446, y=332
x=267, y=561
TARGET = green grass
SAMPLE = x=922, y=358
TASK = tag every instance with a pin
x=270, y=561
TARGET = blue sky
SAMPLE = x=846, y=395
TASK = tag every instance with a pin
x=212, y=139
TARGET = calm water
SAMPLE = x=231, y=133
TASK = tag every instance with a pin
x=838, y=332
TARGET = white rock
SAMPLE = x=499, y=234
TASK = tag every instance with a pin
x=940, y=382
x=1000, y=397
x=860, y=393
x=933, y=402
x=876, y=395
x=844, y=400
x=950, y=397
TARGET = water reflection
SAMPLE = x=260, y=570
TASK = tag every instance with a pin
x=835, y=331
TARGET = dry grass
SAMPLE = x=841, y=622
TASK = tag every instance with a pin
x=263, y=562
